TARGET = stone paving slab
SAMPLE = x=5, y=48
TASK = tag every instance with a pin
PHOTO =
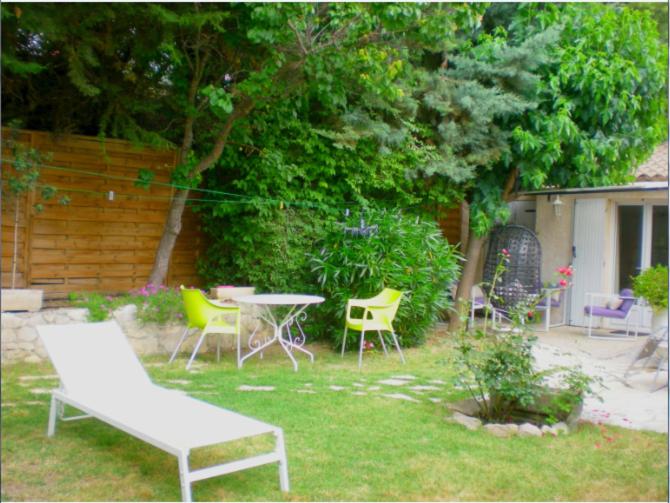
x=636, y=403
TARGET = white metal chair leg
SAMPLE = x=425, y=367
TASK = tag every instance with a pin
x=239, y=350
x=344, y=339
x=360, y=350
x=51, y=428
x=184, y=477
x=381, y=338
x=590, y=324
x=218, y=348
x=181, y=340
x=397, y=346
x=195, y=351
x=283, y=462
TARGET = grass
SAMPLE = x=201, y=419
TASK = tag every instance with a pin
x=341, y=447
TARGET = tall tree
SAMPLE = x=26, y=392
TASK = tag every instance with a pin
x=602, y=108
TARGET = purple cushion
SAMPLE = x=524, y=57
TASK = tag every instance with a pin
x=603, y=311
x=627, y=303
x=554, y=302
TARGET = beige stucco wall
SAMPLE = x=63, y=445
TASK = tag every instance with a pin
x=555, y=233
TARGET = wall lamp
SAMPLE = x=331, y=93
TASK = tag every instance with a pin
x=558, y=205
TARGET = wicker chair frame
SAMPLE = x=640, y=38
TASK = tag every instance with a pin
x=520, y=283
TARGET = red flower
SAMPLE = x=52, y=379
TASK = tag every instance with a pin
x=505, y=252
x=531, y=314
x=563, y=282
x=597, y=445
x=568, y=271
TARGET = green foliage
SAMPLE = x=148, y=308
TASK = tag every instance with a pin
x=496, y=366
x=601, y=101
x=160, y=305
x=652, y=285
x=267, y=250
x=407, y=254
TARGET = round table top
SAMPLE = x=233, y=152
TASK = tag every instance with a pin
x=280, y=299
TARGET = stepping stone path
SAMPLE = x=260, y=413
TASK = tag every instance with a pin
x=425, y=388
x=246, y=387
x=374, y=388
x=358, y=385
x=336, y=388
x=435, y=400
x=183, y=382
x=404, y=377
x=38, y=378
x=359, y=393
x=437, y=381
x=393, y=382
x=309, y=391
x=401, y=396
x=40, y=391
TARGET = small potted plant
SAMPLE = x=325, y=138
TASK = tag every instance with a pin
x=652, y=286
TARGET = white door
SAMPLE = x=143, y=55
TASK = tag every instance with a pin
x=588, y=254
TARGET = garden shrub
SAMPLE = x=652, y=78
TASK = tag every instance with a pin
x=155, y=304
x=496, y=366
x=268, y=250
x=652, y=285
x=407, y=253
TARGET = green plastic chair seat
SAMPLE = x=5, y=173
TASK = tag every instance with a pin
x=210, y=318
x=378, y=314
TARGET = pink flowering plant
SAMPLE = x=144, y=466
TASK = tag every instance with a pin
x=496, y=366
x=155, y=304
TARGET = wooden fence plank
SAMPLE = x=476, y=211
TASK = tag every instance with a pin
x=94, y=244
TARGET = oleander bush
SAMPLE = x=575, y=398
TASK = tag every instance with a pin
x=407, y=253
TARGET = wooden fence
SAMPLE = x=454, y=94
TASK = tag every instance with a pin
x=105, y=239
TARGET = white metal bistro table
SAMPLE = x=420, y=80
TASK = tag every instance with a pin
x=296, y=305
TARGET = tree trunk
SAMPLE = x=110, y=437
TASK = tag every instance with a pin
x=475, y=246
x=173, y=222
x=472, y=255
x=169, y=238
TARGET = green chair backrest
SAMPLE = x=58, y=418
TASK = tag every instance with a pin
x=199, y=310
x=388, y=297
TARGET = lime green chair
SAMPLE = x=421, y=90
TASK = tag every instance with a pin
x=378, y=314
x=209, y=317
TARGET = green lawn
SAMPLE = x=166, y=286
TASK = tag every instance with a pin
x=341, y=446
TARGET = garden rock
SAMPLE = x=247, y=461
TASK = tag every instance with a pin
x=425, y=388
x=126, y=314
x=10, y=320
x=548, y=430
x=501, y=430
x=393, y=382
x=401, y=396
x=561, y=428
x=471, y=423
x=246, y=387
x=468, y=407
x=27, y=334
x=336, y=388
x=529, y=430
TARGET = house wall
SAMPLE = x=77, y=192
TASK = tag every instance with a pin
x=94, y=243
x=556, y=233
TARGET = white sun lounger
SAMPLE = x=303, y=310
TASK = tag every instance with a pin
x=101, y=376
